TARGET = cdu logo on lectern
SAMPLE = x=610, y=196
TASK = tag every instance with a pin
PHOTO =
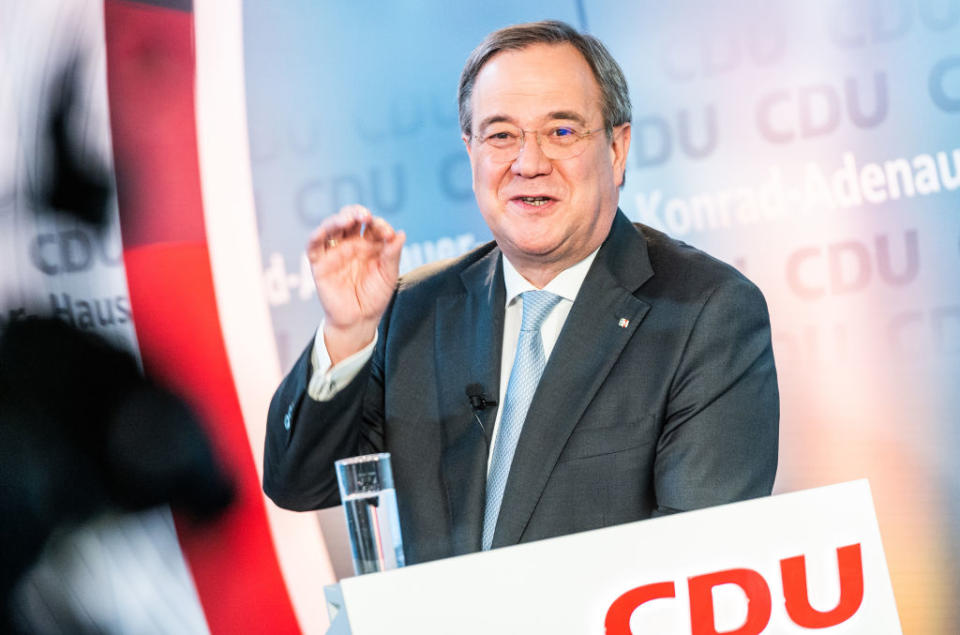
x=756, y=589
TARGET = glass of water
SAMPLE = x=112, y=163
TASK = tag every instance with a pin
x=370, y=503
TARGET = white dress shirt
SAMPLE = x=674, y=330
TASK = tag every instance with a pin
x=566, y=285
x=326, y=381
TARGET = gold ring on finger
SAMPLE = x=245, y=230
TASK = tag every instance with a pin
x=332, y=242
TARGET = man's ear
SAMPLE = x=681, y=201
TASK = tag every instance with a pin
x=619, y=147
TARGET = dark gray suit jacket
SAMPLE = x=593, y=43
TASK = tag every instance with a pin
x=674, y=408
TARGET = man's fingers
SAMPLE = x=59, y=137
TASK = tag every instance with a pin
x=353, y=234
x=334, y=256
x=379, y=230
x=344, y=225
x=338, y=258
x=393, y=247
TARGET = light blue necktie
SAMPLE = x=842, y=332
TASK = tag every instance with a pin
x=524, y=377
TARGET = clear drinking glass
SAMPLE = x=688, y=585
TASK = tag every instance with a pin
x=370, y=504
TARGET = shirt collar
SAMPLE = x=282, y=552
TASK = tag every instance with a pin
x=566, y=284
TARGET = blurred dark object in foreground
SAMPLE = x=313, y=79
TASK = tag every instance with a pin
x=77, y=185
x=91, y=452
x=82, y=433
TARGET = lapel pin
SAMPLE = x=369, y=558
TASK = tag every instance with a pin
x=624, y=323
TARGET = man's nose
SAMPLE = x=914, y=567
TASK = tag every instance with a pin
x=531, y=161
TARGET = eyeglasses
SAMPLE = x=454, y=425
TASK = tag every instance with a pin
x=503, y=142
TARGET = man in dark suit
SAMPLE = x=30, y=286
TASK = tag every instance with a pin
x=578, y=372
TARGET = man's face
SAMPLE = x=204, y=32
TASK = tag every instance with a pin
x=533, y=88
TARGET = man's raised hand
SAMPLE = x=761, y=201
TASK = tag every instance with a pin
x=355, y=259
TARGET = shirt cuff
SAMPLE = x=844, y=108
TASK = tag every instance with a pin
x=326, y=381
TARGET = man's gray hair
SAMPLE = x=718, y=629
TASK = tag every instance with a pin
x=614, y=96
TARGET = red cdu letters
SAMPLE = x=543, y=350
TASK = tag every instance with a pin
x=618, y=615
x=701, y=601
x=794, y=575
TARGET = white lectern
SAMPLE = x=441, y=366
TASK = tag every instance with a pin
x=804, y=562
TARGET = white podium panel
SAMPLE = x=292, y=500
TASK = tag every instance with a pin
x=805, y=562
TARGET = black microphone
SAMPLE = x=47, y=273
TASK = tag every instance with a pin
x=478, y=398
x=479, y=402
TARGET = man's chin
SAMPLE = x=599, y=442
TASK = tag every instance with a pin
x=534, y=251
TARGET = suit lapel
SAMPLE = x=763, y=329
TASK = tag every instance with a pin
x=603, y=318
x=468, y=344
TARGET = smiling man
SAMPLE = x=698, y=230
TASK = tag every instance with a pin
x=549, y=202
x=579, y=372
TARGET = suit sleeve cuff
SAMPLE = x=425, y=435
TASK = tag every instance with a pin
x=326, y=381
